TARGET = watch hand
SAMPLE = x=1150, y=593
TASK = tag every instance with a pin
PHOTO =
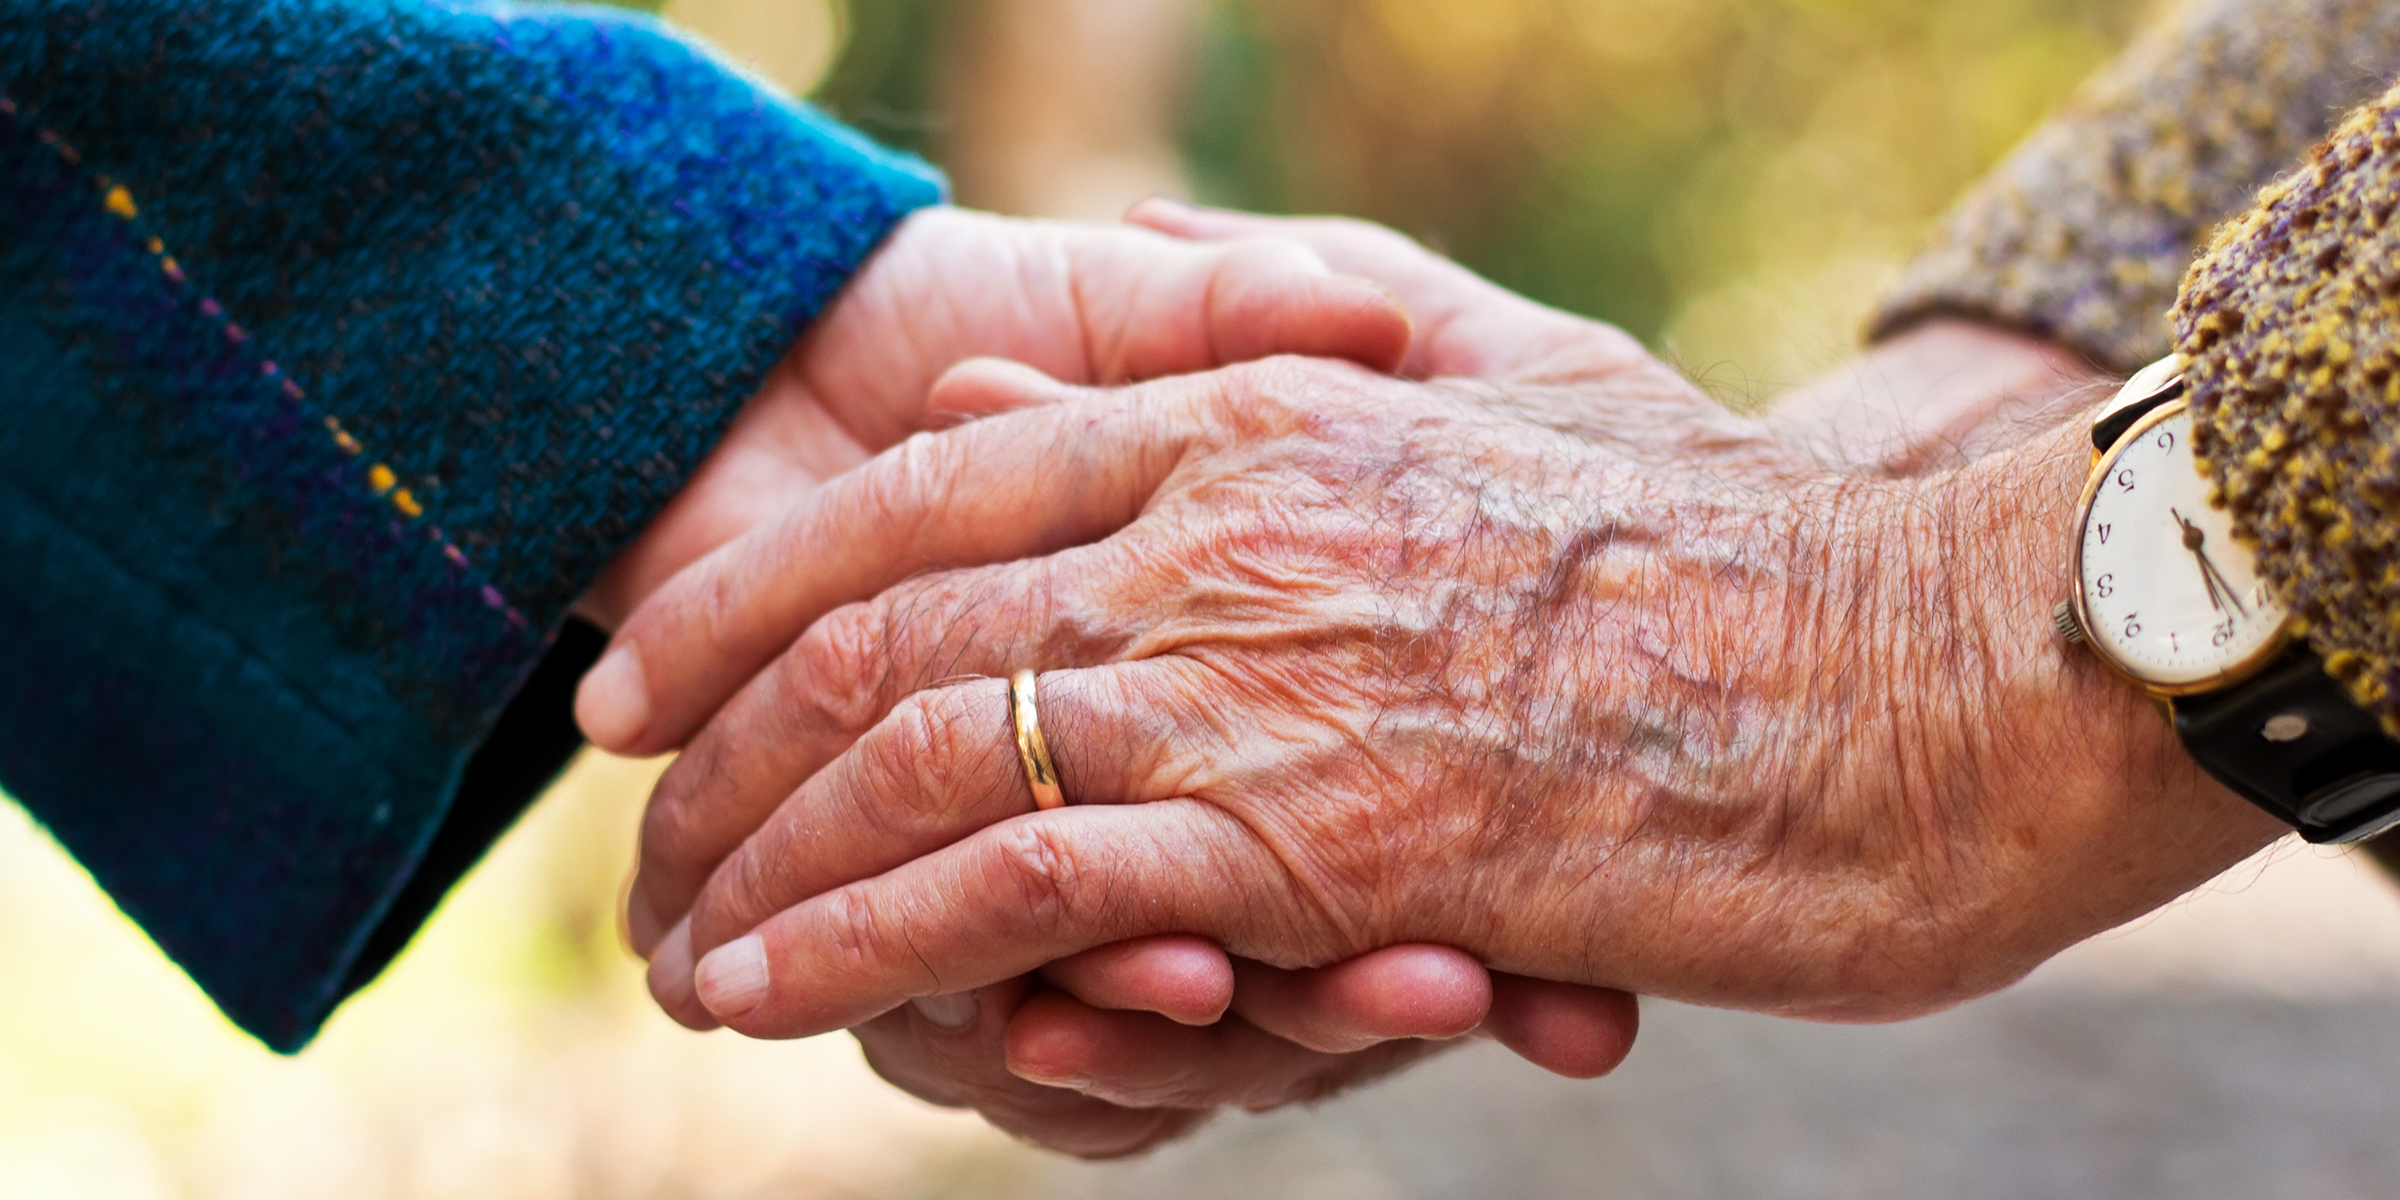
x=2217, y=578
x=2193, y=539
x=2209, y=578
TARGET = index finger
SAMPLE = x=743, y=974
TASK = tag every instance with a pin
x=1013, y=486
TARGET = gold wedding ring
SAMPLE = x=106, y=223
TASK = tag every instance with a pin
x=1040, y=772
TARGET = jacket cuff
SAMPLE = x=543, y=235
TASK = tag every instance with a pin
x=344, y=345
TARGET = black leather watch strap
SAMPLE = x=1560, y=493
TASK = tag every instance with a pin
x=2291, y=742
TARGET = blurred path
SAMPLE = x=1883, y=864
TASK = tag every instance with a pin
x=2032, y=1096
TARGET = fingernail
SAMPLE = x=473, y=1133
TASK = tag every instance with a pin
x=733, y=978
x=613, y=702
x=956, y=1010
x=1075, y=1083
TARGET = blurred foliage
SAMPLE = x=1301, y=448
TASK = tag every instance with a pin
x=885, y=82
x=1625, y=158
x=1730, y=180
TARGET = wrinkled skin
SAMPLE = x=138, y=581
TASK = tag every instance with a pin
x=1344, y=1015
x=1103, y=305
x=1385, y=662
x=1572, y=671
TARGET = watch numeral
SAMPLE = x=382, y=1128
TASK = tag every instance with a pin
x=2106, y=585
x=2125, y=479
x=2133, y=625
x=2166, y=439
x=2221, y=634
x=2104, y=534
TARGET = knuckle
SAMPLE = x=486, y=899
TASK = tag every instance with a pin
x=724, y=610
x=1039, y=869
x=1246, y=400
x=751, y=886
x=854, y=930
x=1091, y=623
x=909, y=486
x=1278, y=395
x=724, y=901
x=718, y=607
x=684, y=830
x=838, y=670
x=939, y=768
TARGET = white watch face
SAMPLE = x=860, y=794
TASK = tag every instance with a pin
x=2166, y=591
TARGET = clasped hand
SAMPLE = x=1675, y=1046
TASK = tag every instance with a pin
x=1499, y=648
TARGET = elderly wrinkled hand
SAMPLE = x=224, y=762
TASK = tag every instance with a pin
x=1327, y=654
x=1334, y=661
x=1101, y=304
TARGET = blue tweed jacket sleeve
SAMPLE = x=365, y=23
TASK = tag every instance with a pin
x=341, y=343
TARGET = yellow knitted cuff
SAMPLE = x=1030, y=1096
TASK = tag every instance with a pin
x=2292, y=322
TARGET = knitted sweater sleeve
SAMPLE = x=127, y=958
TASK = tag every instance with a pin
x=342, y=342
x=2292, y=323
x=2083, y=233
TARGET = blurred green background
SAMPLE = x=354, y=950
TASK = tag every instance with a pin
x=1731, y=180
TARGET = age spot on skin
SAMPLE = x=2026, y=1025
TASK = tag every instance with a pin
x=1659, y=738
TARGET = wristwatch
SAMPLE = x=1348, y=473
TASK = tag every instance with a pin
x=2167, y=598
